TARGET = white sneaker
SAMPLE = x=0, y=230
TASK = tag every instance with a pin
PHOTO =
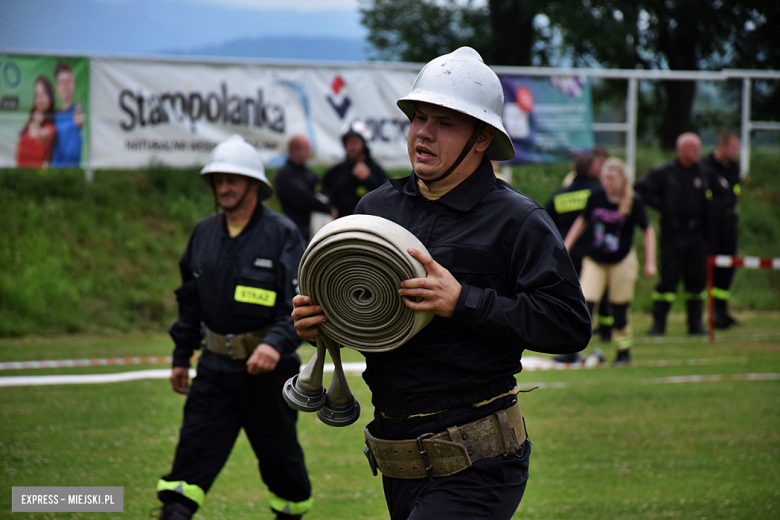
x=595, y=358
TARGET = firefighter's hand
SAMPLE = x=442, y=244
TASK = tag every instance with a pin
x=439, y=290
x=180, y=380
x=361, y=171
x=306, y=317
x=262, y=360
x=650, y=270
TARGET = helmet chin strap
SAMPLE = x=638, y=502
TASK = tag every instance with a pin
x=214, y=191
x=480, y=126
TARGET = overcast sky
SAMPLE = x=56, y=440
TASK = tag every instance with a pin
x=145, y=26
x=297, y=5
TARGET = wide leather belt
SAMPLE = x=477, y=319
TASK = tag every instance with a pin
x=235, y=346
x=446, y=453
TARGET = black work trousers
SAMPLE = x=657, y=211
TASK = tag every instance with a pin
x=683, y=254
x=220, y=404
x=491, y=489
x=723, y=241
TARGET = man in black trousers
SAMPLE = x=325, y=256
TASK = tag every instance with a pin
x=723, y=220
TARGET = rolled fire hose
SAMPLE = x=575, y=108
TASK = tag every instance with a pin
x=353, y=269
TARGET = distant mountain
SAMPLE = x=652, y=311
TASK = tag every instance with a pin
x=287, y=47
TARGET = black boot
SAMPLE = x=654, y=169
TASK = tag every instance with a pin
x=722, y=320
x=660, y=310
x=695, y=327
x=732, y=320
x=175, y=511
x=623, y=357
x=605, y=332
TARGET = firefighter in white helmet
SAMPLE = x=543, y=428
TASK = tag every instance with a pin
x=448, y=435
x=348, y=181
x=239, y=274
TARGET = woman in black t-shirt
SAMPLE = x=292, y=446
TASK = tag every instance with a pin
x=612, y=259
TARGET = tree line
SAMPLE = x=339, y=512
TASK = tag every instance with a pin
x=625, y=34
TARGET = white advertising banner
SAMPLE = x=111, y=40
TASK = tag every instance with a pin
x=339, y=96
x=175, y=112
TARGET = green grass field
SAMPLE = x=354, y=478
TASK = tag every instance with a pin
x=608, y=442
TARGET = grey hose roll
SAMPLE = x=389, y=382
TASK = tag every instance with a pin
x=353, y=269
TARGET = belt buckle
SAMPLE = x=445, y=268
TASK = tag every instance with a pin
x=371, y=459
x=228, y=337
x=424, y=454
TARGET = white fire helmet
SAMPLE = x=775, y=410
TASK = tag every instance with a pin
x=461, y=81
x=234, y=155
x=359, y=128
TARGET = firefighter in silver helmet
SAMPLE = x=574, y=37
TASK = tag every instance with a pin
x=348, y=181
x=448, y=434
x=239, y=274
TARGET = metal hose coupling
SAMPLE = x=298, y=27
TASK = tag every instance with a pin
x=353, y=269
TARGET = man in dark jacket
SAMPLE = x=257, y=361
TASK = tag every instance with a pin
x=239, y=274
x=348, y=181
x=681, y=191
x=499, y=281
x=298, y=188
x=723, y=220
x=567, y=203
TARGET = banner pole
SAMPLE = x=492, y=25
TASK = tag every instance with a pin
x=745, y=127
x=631, y=111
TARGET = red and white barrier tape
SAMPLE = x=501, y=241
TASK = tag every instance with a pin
x=73, y=379
x=533, y=367
x=530, y=363
x=711, y=378
x=62, y=363
x=748, y=262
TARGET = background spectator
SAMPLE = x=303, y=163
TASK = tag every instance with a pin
x=298, y=187
x=347, y=182
x=723, y=229
x=680, y=190
x=611, y=261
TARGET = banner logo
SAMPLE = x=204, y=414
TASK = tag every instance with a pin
x=188, y=108
x=338, y=102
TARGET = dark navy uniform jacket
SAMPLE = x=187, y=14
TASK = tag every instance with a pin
x=566, y=204
x=681, y=194
x=297, y=187
x=519, y=291
x=237, y=285
x=724, y=203
x=344, y=189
